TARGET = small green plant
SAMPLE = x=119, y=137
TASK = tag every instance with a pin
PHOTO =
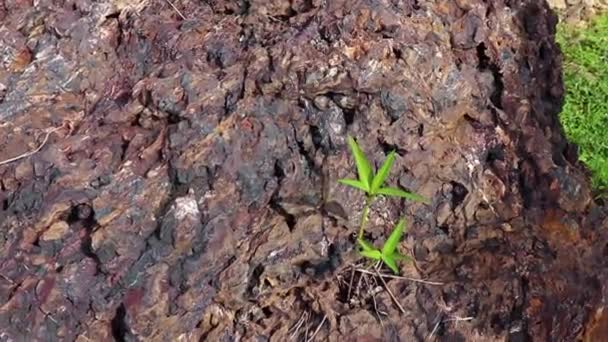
x=370, y=183
x=388, y=254
x=373, y=185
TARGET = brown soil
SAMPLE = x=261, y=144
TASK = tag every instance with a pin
x=578, y=12
x=185, y=186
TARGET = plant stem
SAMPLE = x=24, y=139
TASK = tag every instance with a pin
x=364, y=214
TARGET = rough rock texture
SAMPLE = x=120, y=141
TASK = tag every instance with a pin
x=187, y=189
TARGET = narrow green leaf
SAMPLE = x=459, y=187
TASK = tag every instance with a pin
x=393, y=240
x=364, y=168
x=373, y=254
x=390, y=262
x=366, y=245
x=382, y=173
x=401, y=193
x=401, y=257
x=354, y=183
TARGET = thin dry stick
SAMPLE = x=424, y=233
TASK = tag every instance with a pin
x=377, y=285
x=48, y=315
x=358, y=288
x=433, y=331
x=456, y=318
x=390, y=293
x=350, y=284
x=298, y=326
x=459, y=319
x=384, y=275
x=7, y=279
x=318, y=328
x=306, y=333
x=27, y=154
x=176, y=9
x=297, y=323
x=373, y=293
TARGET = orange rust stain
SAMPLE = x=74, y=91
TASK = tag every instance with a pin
x=21, y=60
x=596, y=328
x=534, y=307
x=558, y=231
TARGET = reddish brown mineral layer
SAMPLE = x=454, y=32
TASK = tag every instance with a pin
x=190, y=193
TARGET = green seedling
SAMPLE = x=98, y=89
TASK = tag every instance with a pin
x=388, y=254
x=372, y=183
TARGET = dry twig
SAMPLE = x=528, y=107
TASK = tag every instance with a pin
x=176, y=10
x=350, y=284
x=306, y=324
x=384, y=275
x=390, y=293
x=27, y=154
x=298, y=325
x=317, y=330
x=378, y=312
x=7, y=279
x=454, y=318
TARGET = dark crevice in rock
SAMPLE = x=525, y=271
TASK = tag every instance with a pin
x=485, y=63
x=119, y=325
x=317, y=137
x=388, y=148
x=290, y=220
x=245, y=6
x=84, y=216
x=309, y=156
x=527, y=178
x=232, y=99
x=459, y=192
x=279, y=173
x=349, y=116
x=121, y=31
x=175, y=192
x=254, y=280
x=113, y=15
x=496, y=96
x=123, y=150
x=397, y=52
x=473, y=122
x=495, y=153
x=319, y=268
x=484, y=60
x=275, y=202
x=519, y=332
x=285, y=17
x=87, y=249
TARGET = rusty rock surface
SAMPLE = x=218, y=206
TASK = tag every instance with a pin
x=186, y=186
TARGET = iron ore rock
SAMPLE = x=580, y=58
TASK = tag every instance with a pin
x=182, y=181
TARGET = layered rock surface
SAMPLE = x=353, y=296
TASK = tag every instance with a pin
x=186, y=185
